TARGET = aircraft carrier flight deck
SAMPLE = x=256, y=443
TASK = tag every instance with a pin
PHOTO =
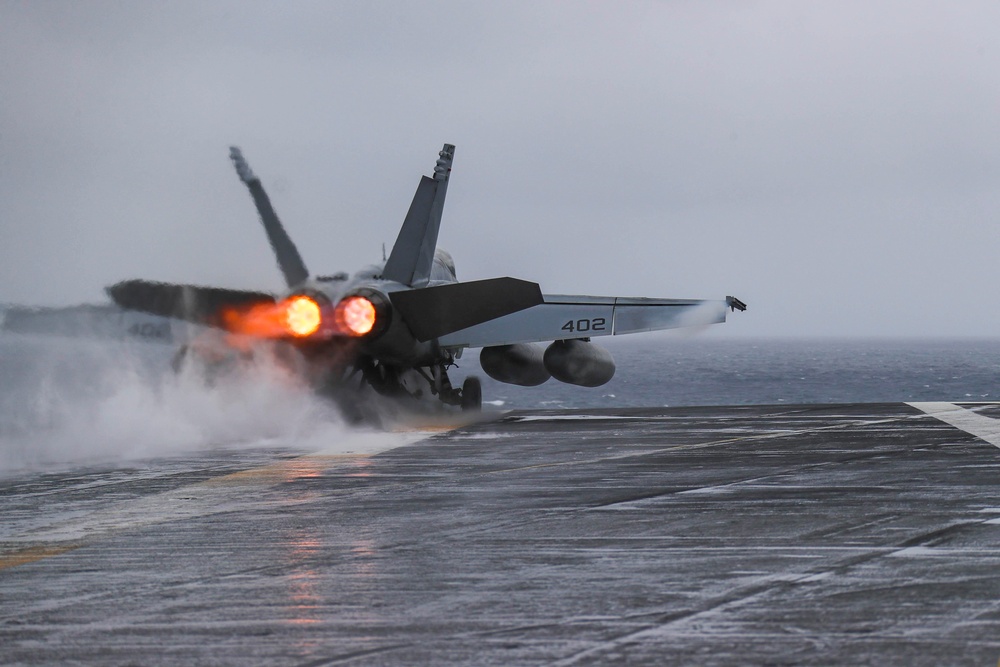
x=781, y=535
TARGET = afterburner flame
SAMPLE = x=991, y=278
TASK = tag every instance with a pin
x=298, y=316
x=355, y=315
x=302, y=316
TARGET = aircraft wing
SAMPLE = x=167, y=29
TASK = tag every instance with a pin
x=93, y=321
x=562, y=317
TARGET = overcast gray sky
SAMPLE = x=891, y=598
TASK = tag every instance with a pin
x=833, y=164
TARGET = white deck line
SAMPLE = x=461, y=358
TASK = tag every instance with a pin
x=985, y=428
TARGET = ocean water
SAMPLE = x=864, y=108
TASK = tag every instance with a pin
x=658, y=370
x=74, y=400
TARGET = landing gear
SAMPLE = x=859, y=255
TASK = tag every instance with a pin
x=469, y=397
x=472, y=394
x=384, y=379
x=407, y=388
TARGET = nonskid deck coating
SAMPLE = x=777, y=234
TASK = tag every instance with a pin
x=827, y=534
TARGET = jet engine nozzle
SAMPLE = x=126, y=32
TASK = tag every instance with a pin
x=519, y=364
x=579, y=362
x=303, y=316
x=355, y=316
x=364, y=312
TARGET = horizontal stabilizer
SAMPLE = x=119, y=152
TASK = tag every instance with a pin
x=432, y=312
x=193, y=303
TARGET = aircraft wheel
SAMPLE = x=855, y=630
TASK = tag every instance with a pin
x=472, y=394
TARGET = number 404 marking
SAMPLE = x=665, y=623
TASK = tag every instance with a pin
x=585, y=325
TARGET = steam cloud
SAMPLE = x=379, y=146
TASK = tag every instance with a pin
x=66, y=402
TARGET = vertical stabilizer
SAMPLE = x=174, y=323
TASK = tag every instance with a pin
x=289, y=260
x=413, y=253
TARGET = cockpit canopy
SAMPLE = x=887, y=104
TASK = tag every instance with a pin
x=444, y=257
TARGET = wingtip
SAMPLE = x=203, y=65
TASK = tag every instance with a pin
x=735, y=304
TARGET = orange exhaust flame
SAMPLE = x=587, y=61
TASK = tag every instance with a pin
x=355, y=316
x=298, y=316
x=303, y=316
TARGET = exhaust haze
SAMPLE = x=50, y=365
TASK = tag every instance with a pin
x=66, y=402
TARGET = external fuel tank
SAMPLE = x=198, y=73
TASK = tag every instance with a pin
x=579, y=362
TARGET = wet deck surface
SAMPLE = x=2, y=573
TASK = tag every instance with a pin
x=851, y=534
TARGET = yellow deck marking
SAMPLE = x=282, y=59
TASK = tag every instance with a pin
x=31, y=554
x=280, y=471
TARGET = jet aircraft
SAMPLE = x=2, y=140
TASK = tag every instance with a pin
x=399, y=326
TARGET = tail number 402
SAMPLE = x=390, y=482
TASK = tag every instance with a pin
x=585, y=325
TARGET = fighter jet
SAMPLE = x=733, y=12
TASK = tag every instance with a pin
x=399, y=326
